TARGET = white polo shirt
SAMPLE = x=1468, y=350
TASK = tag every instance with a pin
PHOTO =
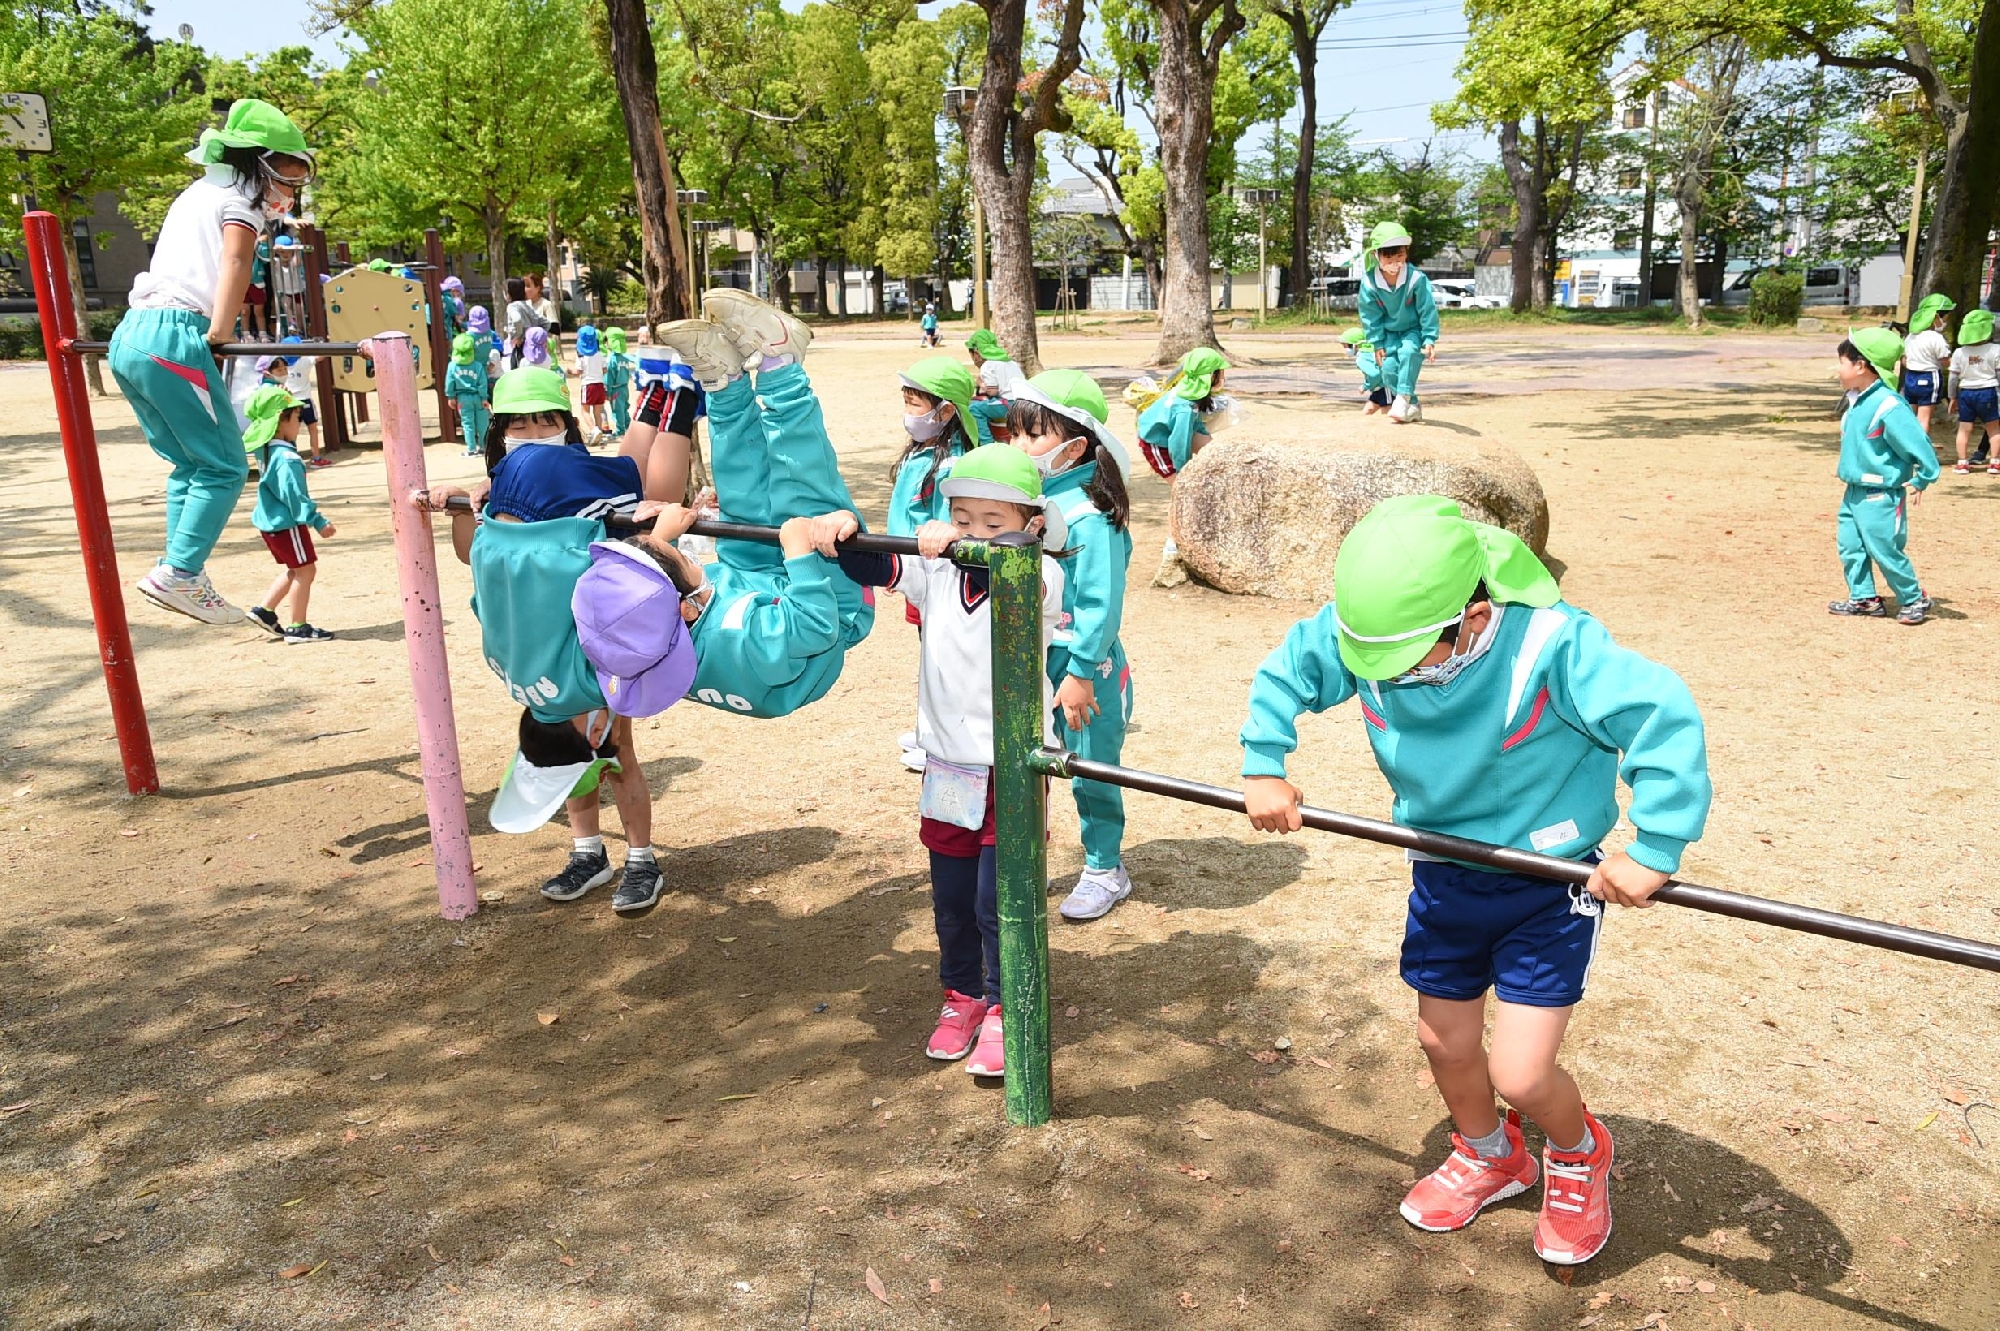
x=187, y=261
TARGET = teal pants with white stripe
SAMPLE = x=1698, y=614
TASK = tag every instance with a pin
x=161, y=361
x=1402, y=361
x=1873, y=527
x=1100, y=809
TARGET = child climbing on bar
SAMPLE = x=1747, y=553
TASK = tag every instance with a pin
x=284, y=512
x=1398, y=317
x=991, y=490
x=185, y=303
x=1501, y=713
x=1887, y=462
x=1058, y=420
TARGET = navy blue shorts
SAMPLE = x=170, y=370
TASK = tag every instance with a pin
x=1922, y=388
x=1524, y=938
x=1978, y=405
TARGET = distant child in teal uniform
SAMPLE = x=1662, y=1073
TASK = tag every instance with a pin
x=466, y=384
x=929, y=324
x=1174, y=427
x=1376, y=397
x=485, y=348
x=181, y=306
x=1498, y=713
x=451, y=293
x=618, y=380
x=1398, y=317
x=284, y=512
x=996, y=376
x=1058, y=418
x=1883, y=453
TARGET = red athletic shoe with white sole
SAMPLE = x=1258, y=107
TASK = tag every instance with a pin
x=957, y=1028
x=989, y=1056
x=1576, y=1200
x=1452, y=1195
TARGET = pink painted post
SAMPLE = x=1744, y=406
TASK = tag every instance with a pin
x=423, y=624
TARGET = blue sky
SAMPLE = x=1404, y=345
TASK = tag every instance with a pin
x=1382, y=63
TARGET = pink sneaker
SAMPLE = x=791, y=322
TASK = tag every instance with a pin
x=1575, y=1223
x=989, y=1056
x=1452, y=1195
x=958, y=1025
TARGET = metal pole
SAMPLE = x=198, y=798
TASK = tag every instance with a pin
x=980, y=314
x=1263, y=272
x=249, y=348
x=50, y=269
x=1737, y=905
x=1014, y=561
x=1905, y=293
x=423, y=626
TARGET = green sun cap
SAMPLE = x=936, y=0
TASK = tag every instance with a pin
x=614, y=338
x=1198, y=371
x=1077, y=396
x=1406, y=571
x=1354, y=337
x=264, y=409
x=945, y=377
x=987, y=345
x=461, y=349
x=1006, y=473
x=1882, y=348
x=1928, y=309
x=528, y=390
x=1976, y=326
x=1387, y=235
x=251, y=124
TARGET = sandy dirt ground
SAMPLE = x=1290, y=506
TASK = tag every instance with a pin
x=236, y=1041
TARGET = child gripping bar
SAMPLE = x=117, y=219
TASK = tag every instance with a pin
x=1715, y=901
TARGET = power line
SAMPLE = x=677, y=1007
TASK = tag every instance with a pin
x=1402, y=39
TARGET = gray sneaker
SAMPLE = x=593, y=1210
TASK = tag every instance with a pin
x=583, y=872
x=758, y=328
x=1095, y=893
x=640, y=888
x=194, y=597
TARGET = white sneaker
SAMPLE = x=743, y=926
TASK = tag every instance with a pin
x=1399, y=410
x=194, y=597
x=1095, y=893
x=758, y=328
x=708, y=351
x=1414, y=414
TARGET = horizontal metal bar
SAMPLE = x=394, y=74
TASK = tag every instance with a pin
x=82, y=347
x=962, y=552
x=1715, y=901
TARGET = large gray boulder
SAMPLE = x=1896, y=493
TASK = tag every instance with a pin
x=1264, y=519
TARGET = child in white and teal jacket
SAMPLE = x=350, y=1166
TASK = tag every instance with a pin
x=1884, y=452
x=1057, y=418
x=1499, y=713
x=1398, y=317
x=286, y=515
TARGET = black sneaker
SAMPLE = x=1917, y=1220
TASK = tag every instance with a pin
x=265, y=620
x=584, y=871
x=305, y=633
x=1979, y=455
x=641, y=887
x=1870, y=606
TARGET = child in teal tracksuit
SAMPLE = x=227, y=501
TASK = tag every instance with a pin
x=466, y=384
x=1884, y=452
x=618, y=380
x=997, y=375
x=181, y=306
x=1500, y=714
x=1377, y=397
x=1174, y=427
x=285, y=510
x=1398, y=317
x=1058, y=419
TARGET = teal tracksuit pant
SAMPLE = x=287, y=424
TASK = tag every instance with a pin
x=985, y=411
x=1873, y=526
x=1100, y=809
x=1402, y=361
x=161, y=361
x=1371, y=374
x=474, y=419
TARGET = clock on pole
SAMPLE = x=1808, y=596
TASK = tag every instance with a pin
x=24, y=122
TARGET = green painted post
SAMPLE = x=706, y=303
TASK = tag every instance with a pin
x=1014, y=561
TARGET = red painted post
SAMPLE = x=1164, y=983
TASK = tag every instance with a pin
x=50, y=268
x=423, y=625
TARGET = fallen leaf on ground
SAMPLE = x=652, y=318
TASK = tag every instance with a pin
x=294, y=1272
x=1319, y=1062
x=16, y=1108
x=431, y=1248
x=725, y=1099
x=566, y=1259
x=874, y=1283
x=103, y=1237
x=1758, y=1203
x=1956, y=1096
x=1599, y=1301
x=1704, y=1287
x=1833, y=1116
x=1268, y=1056
x=284, y=980
x=548, y=1018
x=1071, y=1011
x=937, y=1286
x=1929, y=1119
x=1187, y=1301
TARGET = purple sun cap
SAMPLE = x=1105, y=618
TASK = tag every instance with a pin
x=628, y=618
x=478, y=320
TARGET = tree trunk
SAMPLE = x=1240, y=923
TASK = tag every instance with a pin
x=496, y=260
x=670, y=289
x=879, y=281
x=93, y=366
x=1687, y=294
x=1000, y=153
x=1968, y=196
x=1649, y=214
x=552, y=242
x=840, y=284
x=1184, y=115
x=781, y=287
x=1524, y=267
x=819, y=299
x=1305, y=54
x=1719, y=267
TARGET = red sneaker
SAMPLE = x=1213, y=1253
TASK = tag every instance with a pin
x=1576, y=1201
x=958, y=1026
x=1452, y=1195
x=989, y=1056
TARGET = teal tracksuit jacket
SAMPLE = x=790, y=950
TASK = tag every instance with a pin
x=468, y=386
x=777, y=630
x=1086, y=645
x=1523, y=749
x=282, y=499
x=524, y=575
x=1169, y=430
x=914, y=497
x=1883, y=450
x=1401, y=320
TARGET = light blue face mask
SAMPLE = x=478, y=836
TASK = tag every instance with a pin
x=1440, y=673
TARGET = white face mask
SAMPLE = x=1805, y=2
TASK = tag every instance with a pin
x=1445, y=671
x=924, y=428
x=557, y=438
x=1051, y=463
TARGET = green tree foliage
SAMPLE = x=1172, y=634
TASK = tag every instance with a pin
x=1429, y=193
